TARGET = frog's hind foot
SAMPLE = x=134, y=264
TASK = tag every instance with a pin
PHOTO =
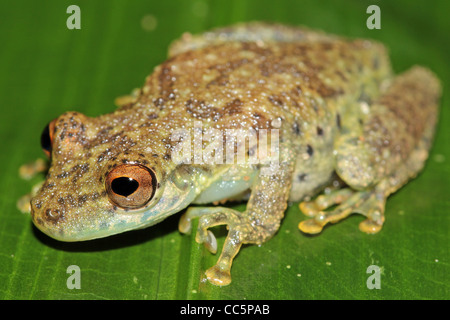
x=324, y=201
x=369, y=203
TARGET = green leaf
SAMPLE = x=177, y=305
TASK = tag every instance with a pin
x=47, y=69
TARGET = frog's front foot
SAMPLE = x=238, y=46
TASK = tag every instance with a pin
x=369, y=203
x=239, y=232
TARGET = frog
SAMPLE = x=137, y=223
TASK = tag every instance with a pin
x=321, y=120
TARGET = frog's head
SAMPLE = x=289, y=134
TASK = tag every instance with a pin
x=106, y=179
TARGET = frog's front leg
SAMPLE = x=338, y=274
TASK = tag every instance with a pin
x=258, y=223
x=208, y=218
x=389, y=148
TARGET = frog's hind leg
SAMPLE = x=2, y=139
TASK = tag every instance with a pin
x=377, y=159
x=325, y=201
x=368, y=203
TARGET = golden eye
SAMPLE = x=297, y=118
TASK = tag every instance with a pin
x=47, y=138
x=130, y=186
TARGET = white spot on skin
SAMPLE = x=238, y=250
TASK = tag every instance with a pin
x=365, y=107
x=276, y=123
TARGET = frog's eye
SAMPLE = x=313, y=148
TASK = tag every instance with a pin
x=47, y=138
x=130, y=186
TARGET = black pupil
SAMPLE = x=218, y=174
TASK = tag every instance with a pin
x=124, y=186
x=46, y=143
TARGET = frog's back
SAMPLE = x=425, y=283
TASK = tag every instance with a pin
x=249, y=83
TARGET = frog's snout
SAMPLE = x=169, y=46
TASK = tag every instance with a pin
x=45, y=219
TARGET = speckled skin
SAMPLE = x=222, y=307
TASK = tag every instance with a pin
x=337, y=106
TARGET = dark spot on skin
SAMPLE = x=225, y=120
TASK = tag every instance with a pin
x=233, y=107
x=63, y=175
x=167, y=156
x=296, y=128
x=314, y=105
x=297, y=91
x=158, y=102
x=38, y=204
x=95, y=196
x=48, y=186
x=199, y=109
x=341, y=75
x=319, y=131
x=376, y=63
x=309, y=150
x=155, y=155
x=338, y=120
x=363, y=97
x=302, y=177
x=124, y=161
x=152, y=116
x=275, y=100
x=79, y=171
x=141, y=155
x=158, y=185
x=82, y=199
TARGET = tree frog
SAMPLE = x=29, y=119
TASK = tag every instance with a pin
x=263, y=113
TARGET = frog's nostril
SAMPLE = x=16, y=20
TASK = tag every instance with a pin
x=52, y=215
